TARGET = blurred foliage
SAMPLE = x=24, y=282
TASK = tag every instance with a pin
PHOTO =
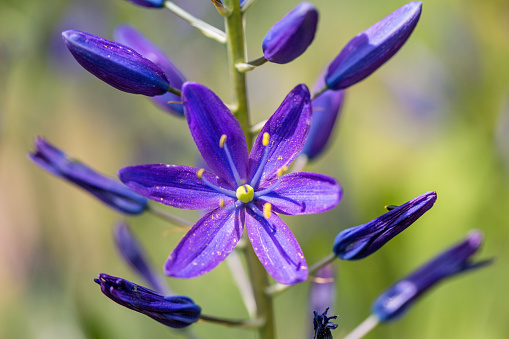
x=436, y=117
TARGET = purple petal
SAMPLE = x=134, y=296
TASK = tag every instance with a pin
x=370, y=49
x=276, y=247
x=208, y=120
x=207, y=244
x=177, y=186
x=292, y=35
x=288, y=128
x=116, y=64
x=304, y=193
x=149, y=3
x=131, y=37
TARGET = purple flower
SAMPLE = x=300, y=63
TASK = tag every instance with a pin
x=394, y=301
x=149, y=3
x=133, y=253
x=129, y=36
x=110, y=191
x=243, y=187
x=326, y=109
x=291, y=36
x=174, y=311
x=116, y=64
x=360, y=241
x=369, y=50
x=322, y=325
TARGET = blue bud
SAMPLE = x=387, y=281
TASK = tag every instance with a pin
x=360, y=241
x=394, y=301
x=149, y=3
x=174, y=311
x=110, y=191
x=116, y=64
x=291, y=36
x=129, y=36
x=370, y=49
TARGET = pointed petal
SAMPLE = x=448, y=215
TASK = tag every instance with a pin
x=288, y=128
x=276, y=247
x=207, y=244
x=177, y=186
x=304, y=193
x=208, y=120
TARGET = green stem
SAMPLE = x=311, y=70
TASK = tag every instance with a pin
x=232, y=323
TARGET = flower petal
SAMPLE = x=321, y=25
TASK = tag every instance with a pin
x=208, y=120
x=177, y=186
x=288, y=128
x=304, y=193
x=276, y=247
x=207, y=244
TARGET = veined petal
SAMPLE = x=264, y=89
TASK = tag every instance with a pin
x=177, y=186
x=208, y=120
x=276, y=247
x=304, y=193
x=288, y=128
x=207, y=244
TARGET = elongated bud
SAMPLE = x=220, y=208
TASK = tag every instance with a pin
x=395, y=301
x=291, y=36
x=129, y=36
x=108, y=190
x=360, y=241
x=149, y=3
x=322, y=296
x=116, y=64
x=370, y=49
x=174, y=311
x=323, y=325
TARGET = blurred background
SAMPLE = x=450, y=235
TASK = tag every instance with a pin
x=435, y=117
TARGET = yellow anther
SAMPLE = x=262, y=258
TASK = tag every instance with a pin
x=266, y=138
x=245, y=193
x=200, y=173
x=267, y=210
x=221, y=203
x=390, y=207
x=222, y=140
x=281, y=171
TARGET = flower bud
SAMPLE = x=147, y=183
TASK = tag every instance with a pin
x=360, y=241
x=110, y=191
x=149, y=3
x=291, y=36
x=394, y=301
x=129, y=36
x=322, y=325
x=370, y=49
x=116, y=64
x=173, y=311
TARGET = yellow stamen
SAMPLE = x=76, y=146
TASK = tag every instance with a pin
x=222, y=140
x=245, y=193
x=200, y=173
x=221, y=203
x=267, y=210
x=266, y=138
x=281, y=171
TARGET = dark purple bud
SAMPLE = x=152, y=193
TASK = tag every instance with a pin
x=370, y=49
x=322, y=325
x=131, y=37
x=394, y=301
x=116, y=64
x=326, y=109
x=291, y=36
x=134, y=254
x=360, y=241
x=149, y=3
x=322, y=291
x=173, y=311
x=108, y=190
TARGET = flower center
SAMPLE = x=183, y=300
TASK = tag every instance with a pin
x=245, y=193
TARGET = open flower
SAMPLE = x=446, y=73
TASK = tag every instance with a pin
x=245, y=187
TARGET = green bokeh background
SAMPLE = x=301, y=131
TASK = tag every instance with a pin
x=436, y=117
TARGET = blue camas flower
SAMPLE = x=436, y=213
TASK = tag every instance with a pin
x=116, y=64
x=242, y=188
x=110, y=191
x=129, y=36
x=370, y=49
x=172, y=311
x=360, y=241
x=395, y=301
x=292, y=35
x=149, y=3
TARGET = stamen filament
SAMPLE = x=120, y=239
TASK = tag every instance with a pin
x=259, y=171
x=222, y=144
x=267, y=190
x=215, y=187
